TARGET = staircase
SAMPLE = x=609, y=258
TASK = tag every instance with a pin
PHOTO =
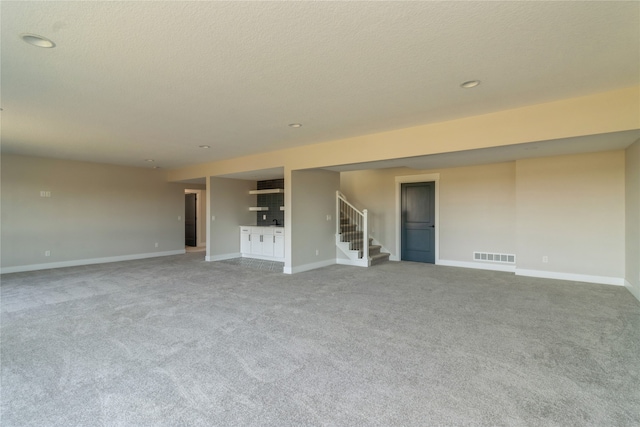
x=352, y=226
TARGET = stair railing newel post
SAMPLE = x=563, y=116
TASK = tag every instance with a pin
x=365, y=235
x=338, y=202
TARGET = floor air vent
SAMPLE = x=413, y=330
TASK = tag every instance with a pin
x=491, y=257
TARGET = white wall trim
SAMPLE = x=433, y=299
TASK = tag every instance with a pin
x=477, y=265
x=307, y=267
x=634, y=291
x=603, y=280
x=352, y=262
x=427, y=177
x=78, y=262
x=222, y=257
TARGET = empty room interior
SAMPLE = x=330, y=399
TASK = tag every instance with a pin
x=320, y=213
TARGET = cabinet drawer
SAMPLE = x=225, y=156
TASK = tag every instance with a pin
x=245, y=230
x=278, y=232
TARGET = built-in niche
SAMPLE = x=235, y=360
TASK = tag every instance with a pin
x=273, y=201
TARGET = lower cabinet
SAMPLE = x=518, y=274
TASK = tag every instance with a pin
x=278, y=246
x=267, y=245
x=245, y=240
x=262, y=242
x=256, y=243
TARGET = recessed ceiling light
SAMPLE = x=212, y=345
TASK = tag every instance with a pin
x=470, y=84
x=204, y=146
x=149, y=160
x=156, y=167
x=38, y=41
x=295, y=125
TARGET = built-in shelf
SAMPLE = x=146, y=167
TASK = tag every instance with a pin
x=259, y=208
x=268, y=191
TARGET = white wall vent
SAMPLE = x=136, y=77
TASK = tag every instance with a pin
x=491, y=257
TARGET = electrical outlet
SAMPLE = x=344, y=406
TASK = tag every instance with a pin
x=328, y=217
x=317, y=252
x=179, y=218
x=47, y=253
x=264, y=216
x=545, y=259
x=156, y=244
x=213, y=217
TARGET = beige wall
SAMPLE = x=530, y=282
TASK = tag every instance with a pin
x=476, y=207
x=477, y=211
x=601, y=113
x=571, y=209
x=313, y=197
x=95, y=211
x=568, y=208
x=230, y=202
x=632, y=199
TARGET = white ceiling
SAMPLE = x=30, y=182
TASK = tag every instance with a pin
x=129, y=81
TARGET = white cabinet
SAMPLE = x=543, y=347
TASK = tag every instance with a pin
x=256, y=244
x=278, y=243
x=262, y=242
x=267, y=245
x=245, y=240
x=267, y=241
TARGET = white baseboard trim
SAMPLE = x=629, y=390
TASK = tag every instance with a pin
x=634, y=290
x=352, y=262
x=89, y=261
x=602, y=280
x=477, y=265
x=307, y=267
x=222, y=257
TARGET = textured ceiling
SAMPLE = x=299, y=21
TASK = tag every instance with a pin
x=129, y=81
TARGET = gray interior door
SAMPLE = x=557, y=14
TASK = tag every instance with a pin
x=190, y=220
x=418, y=238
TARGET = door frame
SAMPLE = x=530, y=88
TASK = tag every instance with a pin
x=199, y=218
x=429, y=177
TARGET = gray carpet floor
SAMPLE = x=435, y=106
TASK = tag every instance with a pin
x=177, y=341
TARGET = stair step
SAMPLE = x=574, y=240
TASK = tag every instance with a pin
x=379, y=258
x=373, y=250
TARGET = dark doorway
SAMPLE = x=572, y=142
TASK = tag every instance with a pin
x=190, y=231
x=418, y=237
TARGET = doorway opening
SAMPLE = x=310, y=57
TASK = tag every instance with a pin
x=194, y=227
